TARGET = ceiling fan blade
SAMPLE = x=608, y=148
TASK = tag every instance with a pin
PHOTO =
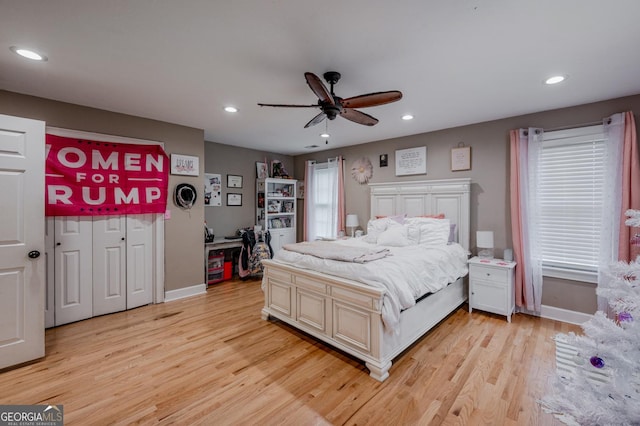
x=358, y=117
x=372, y=99
x=315, y=120
x=290, y=106
x=319, y=88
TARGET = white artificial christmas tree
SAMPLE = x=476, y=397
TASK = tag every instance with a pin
x=605, y=386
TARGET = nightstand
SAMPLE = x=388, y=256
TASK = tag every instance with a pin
x=491, y=286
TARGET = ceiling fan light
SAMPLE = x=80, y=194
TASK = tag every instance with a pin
x=325, y=135
x=231, y=109
x=407, y=117
x=28, y=53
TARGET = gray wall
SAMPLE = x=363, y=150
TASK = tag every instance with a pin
x=184, y=258
x=489, y=144
x=227, y=159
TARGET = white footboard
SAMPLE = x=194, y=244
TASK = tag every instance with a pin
x=346, y=314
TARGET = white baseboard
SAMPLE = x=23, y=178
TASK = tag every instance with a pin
x=181, y=293
x=564, y=315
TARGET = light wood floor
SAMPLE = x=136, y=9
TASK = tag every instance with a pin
x=211, y=360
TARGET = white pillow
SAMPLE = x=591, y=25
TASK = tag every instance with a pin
x=395, y=236
x=375, y=227
x=431, y=231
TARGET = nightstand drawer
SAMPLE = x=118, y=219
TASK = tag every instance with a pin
x=488, y=274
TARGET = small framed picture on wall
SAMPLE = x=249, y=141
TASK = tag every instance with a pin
x=234, y=181
x=234, y=199
x=460, y=158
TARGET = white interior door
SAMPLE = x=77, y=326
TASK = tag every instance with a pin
x=139, y=260
x=109, y=264
x=73, y=268
x=22, y=280
x=49, y=250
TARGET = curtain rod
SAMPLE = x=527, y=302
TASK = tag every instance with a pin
x=572, y=126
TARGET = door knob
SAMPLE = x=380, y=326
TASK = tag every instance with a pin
x=34, y=254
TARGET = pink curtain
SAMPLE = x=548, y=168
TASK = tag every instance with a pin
x=341, y=206
x=525, y=152
x=630, y=188
x=516, y=218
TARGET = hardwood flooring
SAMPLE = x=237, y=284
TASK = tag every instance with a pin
x=211, y=360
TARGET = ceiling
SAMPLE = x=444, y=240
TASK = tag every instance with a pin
x=456, y=62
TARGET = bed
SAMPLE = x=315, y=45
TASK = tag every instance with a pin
x=350, y=315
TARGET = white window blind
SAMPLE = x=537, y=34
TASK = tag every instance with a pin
x=323, y=202
x=570, y=194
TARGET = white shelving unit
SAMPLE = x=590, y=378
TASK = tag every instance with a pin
x=276, y=210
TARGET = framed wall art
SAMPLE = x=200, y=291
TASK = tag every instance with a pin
x=261, y=170
x=187, y=165
x=411, y=161
x=234, y=199
x=234, y=181
x=460, y=158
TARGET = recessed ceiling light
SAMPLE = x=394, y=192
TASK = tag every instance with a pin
x=28, y=53
x=230, y=109
x=325, y=135
x=555, y=79
x=407, y=117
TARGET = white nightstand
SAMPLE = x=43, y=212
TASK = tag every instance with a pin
x=491, y=286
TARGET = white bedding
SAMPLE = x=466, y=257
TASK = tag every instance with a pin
x=407, y=274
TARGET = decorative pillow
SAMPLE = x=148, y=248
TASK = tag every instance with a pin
x=374, y=228
x=398, y=218
x=431, y=231
x=434, y=216
x=452, y=233
x=395, y=236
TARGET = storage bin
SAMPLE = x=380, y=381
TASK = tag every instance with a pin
x=228, y=270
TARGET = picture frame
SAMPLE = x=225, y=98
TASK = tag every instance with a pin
x=384, y=160
x=262, y=171
x=234, y=199
x=234, y=181
x=185, y=165
x=273, y=206
x=461, y=158
x=411, y=161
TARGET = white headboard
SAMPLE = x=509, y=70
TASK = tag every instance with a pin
x=426, y=197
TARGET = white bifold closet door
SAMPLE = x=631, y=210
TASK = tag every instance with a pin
x=99, y=265
x=140, y=278
x=109, y=264
x=73, y=273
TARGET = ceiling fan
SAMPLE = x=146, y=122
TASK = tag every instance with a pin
x=331, y=105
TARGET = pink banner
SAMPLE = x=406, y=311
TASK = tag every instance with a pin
x=92, y=178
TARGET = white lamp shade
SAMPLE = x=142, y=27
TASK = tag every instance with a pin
x=352, y=220
x=484, y=239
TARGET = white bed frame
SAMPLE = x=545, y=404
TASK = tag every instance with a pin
x=347, y=314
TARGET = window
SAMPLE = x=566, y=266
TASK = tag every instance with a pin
x=571, y=174
x=322, y=191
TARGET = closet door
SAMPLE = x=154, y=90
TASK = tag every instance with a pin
x=73, y=268
x=139, y=260
x=109, y=264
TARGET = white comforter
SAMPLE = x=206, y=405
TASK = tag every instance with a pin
x=407, y=274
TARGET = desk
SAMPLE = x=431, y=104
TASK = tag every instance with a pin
x=218, y=244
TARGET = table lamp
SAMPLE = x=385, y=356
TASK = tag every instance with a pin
x=484, y=241
x=352, y=222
